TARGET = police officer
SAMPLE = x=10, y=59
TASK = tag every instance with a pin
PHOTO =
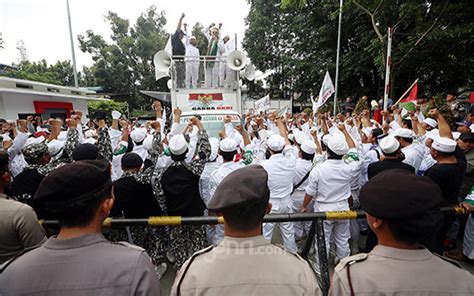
x=79, y=261
x=401, y=209
x=244, y=263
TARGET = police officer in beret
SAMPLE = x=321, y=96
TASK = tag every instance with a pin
x=244, y=262
x=79, y=261
x=401, y=209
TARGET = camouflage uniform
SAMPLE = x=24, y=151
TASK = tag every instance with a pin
x=457, y=109
x=187, y=239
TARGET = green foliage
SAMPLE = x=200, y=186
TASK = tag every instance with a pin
x=198, y=32
x=432, y=41
x=439, y=102
x=125, y=65
x=107, y=106
x=60, y=73
x=361, y=105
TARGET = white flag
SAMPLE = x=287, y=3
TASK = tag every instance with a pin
x=168, y=47
x=263, y=104
x=327, y=89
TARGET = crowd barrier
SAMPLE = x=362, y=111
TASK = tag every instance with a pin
x=316, y=230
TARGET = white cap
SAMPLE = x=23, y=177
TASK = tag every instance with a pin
x=299, y=137
x=148, y=143
x=228, y=145
x=89, y=141
x=178, y=145
x=404, y=133
x=337, y=144
x=90, y=134
x=54, y=147
x=431, y=122
x=443, y=144
x=138, y=135
x=456, y=135
x=308, y=147
x=276, y=143
x=31, y=141
x=214, y=148
x=325, y=138
x=291, y=137
x=374, y=103
x=389, y=144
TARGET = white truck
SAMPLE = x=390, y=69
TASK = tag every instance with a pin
x=214, y=94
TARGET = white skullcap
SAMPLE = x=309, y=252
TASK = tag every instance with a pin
x=456, y=135
x=214, y=148
x=276, y=143
x=148, y=143
x=431, y=122
x=374, y=103
x=138, y=135
x=432, y=134
x=32, y=141
x=178, y=145
x=389, y=144
x=228, y=145
x=90, y=141
x=443, y=144
x=325, y=139
x=62, y=136
x=54, y=147
x=253, y=123
x=308, y=147
x=90, y=134
x=404, y=133
x=300, y=137
x=337, y=144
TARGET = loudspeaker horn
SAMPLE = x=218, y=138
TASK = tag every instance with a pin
x=236, y=60
x=248, y=73
x=169, y=84
x=162, y=61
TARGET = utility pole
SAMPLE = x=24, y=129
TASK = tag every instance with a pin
x=337, y=56
x=76, y=83
x=387, y=68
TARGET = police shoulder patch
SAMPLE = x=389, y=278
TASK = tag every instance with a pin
x=351, y=260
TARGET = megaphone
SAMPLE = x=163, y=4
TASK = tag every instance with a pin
x=236, y=60
x=248, y=73
x=162, y=61
x=169, y=84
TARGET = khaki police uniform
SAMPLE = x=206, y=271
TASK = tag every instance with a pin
x=391, y=271
x=245, y=266
x=85, y=265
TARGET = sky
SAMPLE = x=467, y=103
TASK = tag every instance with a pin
x=43, y=24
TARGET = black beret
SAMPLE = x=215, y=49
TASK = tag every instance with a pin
x=85, y=151
x=398, y=193
x=131, y=160
x=72, y=183
x=242, y=186
x=467, y=137
x=3, y=162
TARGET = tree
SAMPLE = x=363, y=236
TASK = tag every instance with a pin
x=60, y=73
x=198, y=32
x=107, y=106
x=1, y=41
x=432, y=42
x=125, y=66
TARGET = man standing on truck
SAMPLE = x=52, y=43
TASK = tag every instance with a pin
x=178, y=49
x=192, y=60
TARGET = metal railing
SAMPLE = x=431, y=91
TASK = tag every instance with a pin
x=202, y=72
x=316, y=230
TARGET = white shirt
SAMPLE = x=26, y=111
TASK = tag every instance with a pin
x=281, y=171
x=302, y=168
x=330, y=182
x=16, y=160
x=140, y=150
x=414, y=154
x=192, y=52
x=209, y=168
x=218, y=175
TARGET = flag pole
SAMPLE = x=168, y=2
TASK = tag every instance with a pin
x=387, y=68
x=76, y=82
x=405, y=93
x=337, y=55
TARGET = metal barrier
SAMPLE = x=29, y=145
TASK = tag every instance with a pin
x=317, y=229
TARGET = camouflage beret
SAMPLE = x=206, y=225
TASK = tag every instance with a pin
x=33, y=151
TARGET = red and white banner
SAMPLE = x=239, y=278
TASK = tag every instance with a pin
x=205, y=100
